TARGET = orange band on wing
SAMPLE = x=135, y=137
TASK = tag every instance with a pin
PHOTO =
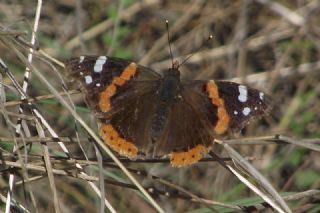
x=105, y=96
x=189, y=157
x=116, y=142
x=223, y=117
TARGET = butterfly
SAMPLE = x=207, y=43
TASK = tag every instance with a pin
x=140, y=112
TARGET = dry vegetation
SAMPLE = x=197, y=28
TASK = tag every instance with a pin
x=270, y=45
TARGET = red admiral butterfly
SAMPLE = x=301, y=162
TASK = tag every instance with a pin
x=142, y=112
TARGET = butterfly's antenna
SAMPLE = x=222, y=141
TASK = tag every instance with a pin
x=201, y=47
x=167, y=25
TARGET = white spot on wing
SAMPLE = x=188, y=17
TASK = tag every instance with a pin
x=243, y=93
x=98, y=85
x=81, y=59
x=246, y=111
x=88, y=79
x=99, y=63
x=255, y=108
x=235, y=112
x=261, y=94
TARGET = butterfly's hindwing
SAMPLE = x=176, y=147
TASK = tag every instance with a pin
x=130, y=118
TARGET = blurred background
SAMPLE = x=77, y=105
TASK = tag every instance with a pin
x=273, y=46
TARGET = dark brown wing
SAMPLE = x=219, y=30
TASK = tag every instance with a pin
x=188, y=123
x=188, y=132
x=119, y=92
x=133, y=115
x=205, y=110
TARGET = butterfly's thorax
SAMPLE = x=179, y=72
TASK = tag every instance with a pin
x=168, y=93
x=170, y=85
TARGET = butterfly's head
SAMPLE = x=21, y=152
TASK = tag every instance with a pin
x=175, y=64
x=173, y=71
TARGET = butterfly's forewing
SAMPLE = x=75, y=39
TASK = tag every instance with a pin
x=96, y=73
x=235, y=104
x=243, y=103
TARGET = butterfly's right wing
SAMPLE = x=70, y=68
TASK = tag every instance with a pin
x=206, y=110
x=103, y=78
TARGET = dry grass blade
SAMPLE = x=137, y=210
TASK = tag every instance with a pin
x=10, y=124
x=257, y=191
x=101, y=181
x=291, y=16
x=25, y=86
x=259, y=178
x=14, y=204
x=49, y=168
x=301, y=143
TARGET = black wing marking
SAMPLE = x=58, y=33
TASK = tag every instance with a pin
x=243, y=106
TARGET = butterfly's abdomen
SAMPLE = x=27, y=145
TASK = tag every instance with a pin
x=160, y=117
